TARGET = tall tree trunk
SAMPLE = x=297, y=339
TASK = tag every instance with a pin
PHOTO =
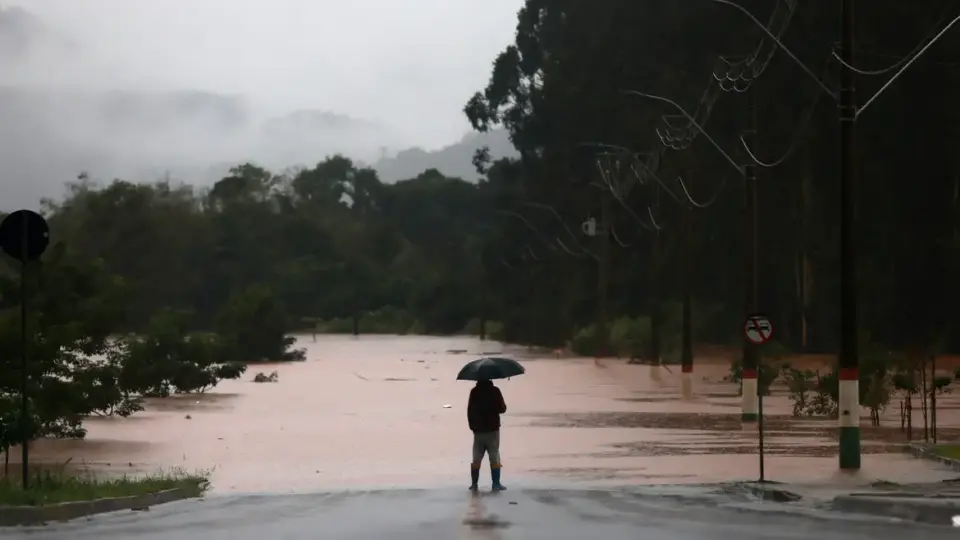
x=933, y=399
x=923, y=399
x=910, y=416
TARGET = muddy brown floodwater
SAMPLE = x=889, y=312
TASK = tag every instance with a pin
x=371, y=411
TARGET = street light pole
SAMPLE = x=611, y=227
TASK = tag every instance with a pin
x=849, y=397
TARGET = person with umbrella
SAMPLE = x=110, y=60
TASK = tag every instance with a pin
x=484, y=408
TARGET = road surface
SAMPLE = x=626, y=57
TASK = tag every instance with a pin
x=456, y=514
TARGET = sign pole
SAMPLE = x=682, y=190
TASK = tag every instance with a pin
x=757, y=330
x=760, y=425
x=24, y=382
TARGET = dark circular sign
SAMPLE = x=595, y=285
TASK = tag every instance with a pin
x=24, y=235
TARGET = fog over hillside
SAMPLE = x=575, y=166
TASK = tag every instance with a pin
x=64, y=110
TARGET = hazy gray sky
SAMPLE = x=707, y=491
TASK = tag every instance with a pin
x=410, y=64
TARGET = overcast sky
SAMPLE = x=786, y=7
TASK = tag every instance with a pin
x=409, y=64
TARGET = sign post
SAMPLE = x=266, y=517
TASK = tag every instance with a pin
x=24, y=235
x=758, y=330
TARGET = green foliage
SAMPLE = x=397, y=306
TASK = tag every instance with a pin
x=941, y=384
x=951, y=451
x=494, y=329
x=767, y=374
x=168, y=359
x=57, y=486
x=69, y=320
x=882, y=374
x=386, y=320
x=253, y=327
x=801, y=384
x=770, y=370
x=76, y=369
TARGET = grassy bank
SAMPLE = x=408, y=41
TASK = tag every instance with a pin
x=951, y=451
x=50, y=488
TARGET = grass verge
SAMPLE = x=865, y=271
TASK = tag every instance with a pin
x=951, y=451
x=49, y=487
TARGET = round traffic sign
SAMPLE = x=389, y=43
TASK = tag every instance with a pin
x=757, y=329
x=24, y=235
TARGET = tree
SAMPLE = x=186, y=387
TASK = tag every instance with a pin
x=253, y=327
x=167, y=358
x=71, y=314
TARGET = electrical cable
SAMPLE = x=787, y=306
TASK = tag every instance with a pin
x=926, y=39
x=798, y=136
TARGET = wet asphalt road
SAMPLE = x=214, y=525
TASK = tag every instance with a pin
x=455, y=514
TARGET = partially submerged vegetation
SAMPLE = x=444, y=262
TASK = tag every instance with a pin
x=885, y=376
x=52, y=487
x=264, y=378
x=78, y=367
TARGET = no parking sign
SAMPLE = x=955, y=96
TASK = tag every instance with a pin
x=757, y=329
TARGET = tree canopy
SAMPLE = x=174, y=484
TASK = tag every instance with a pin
x=561, y=84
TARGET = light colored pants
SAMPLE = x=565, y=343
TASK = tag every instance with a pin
x=486, y=443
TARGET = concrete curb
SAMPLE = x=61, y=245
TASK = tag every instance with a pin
x=38, y=515
x=924, y=451
x=916, y=509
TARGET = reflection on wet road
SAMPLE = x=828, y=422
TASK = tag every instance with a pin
x=455, y=514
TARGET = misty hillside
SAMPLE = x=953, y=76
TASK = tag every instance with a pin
x=56, y=123
x=48, y=137
x=454, y=160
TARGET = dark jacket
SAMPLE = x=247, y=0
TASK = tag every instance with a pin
x=485, y=407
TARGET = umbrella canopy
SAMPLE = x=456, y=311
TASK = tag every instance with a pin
x=490, y=368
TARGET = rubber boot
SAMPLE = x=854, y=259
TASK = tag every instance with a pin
x=495, y=476
x=474, y=479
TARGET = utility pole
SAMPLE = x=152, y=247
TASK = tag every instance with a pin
x=355, y=308
x=656, y=318
x=686, y=352
x=933, y=397
x=602, y=336
x=849, y=398
x=483, y=307
x=750, y=390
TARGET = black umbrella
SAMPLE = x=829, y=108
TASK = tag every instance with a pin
x=493, y=367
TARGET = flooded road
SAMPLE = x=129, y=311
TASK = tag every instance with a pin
x=371, y=412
